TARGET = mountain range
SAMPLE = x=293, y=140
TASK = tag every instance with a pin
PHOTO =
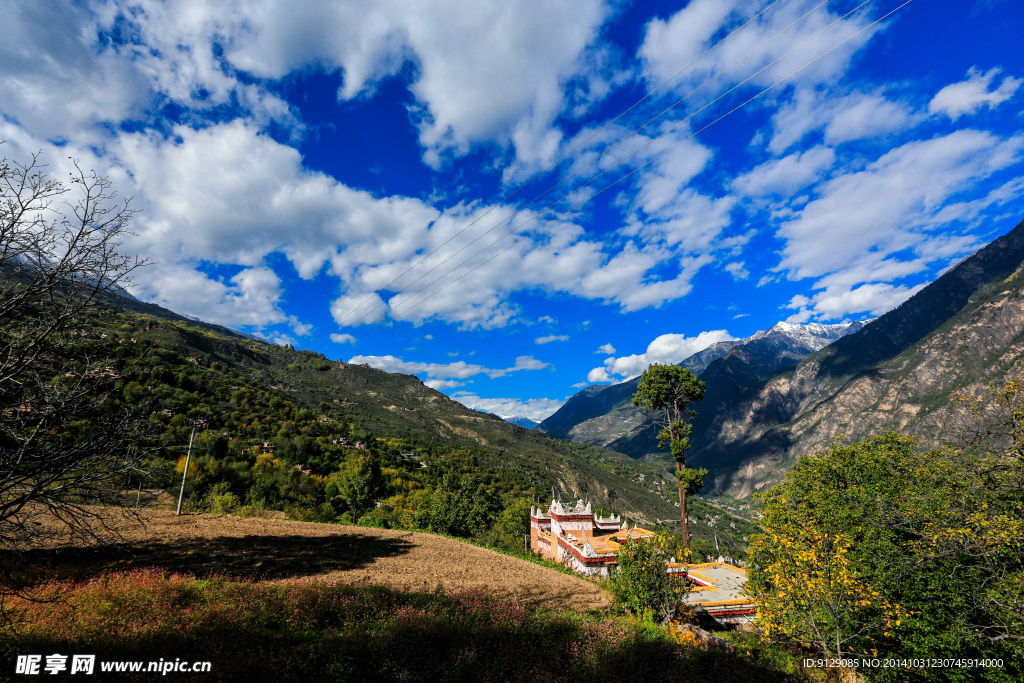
x=791, y=390
x=605, y=416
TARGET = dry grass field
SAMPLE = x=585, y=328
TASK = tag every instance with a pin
x=282, y=550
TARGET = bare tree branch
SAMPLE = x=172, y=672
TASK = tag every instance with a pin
x=67, y=443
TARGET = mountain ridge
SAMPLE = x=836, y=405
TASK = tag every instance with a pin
x=959, y=333
x=766, y=405
x=520, y=421
x=607, y=418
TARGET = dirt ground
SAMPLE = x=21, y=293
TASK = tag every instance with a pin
x=282, y=550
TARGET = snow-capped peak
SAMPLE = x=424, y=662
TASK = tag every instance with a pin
x=520, y=420
x=812, y=335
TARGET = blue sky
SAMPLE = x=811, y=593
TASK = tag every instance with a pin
x=337, y=175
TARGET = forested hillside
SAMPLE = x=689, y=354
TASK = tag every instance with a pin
x=325, y=440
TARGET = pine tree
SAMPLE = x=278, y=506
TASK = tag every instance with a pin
x=671, y=389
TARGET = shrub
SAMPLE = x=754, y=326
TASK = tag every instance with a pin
x=314, y=632
x=225, y=503
x=642, y=584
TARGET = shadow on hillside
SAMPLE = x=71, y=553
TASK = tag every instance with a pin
x=258, y=557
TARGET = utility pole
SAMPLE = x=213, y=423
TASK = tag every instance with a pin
x=184, y=474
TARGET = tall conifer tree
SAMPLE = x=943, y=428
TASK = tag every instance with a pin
x=672, y=389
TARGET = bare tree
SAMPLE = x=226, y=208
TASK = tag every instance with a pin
x=67, y=442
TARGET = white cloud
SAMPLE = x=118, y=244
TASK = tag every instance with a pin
x=442, y=384
x=676, y=225
x=206, y=188
x=678, y=228
x=871, y=227
x=795, y=119
x=551, y=338
x=72, y=72
x=545, y=319
x=861, y=219
x=250, y=299
x=282, y=339
x=555, y=259
x=52, y=79
x=737, y=270
x=862, y=116
x=661, y=182
x=673, y=43
x=606, y=349
x=788, y=175
x=457, y=370
x=842, y=116
x=838, y=302
x=536, y=409
x=66, y=69
x=343, y=339
x=512, y=90
x=230, y=195
x=667, y=348
x=227, y=194
x=967, y=96
x=357, y=307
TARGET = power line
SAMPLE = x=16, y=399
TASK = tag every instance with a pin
x=554, y=164
x=812, y=37
x=652, y=160
x=581, y=168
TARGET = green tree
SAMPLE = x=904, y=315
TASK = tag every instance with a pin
x=360, y=483
x=514, y=521
x=672, y=389
x=988, y=518
x=810, y=591
x=457, y=507
x=642, y=584
x=879, y=548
